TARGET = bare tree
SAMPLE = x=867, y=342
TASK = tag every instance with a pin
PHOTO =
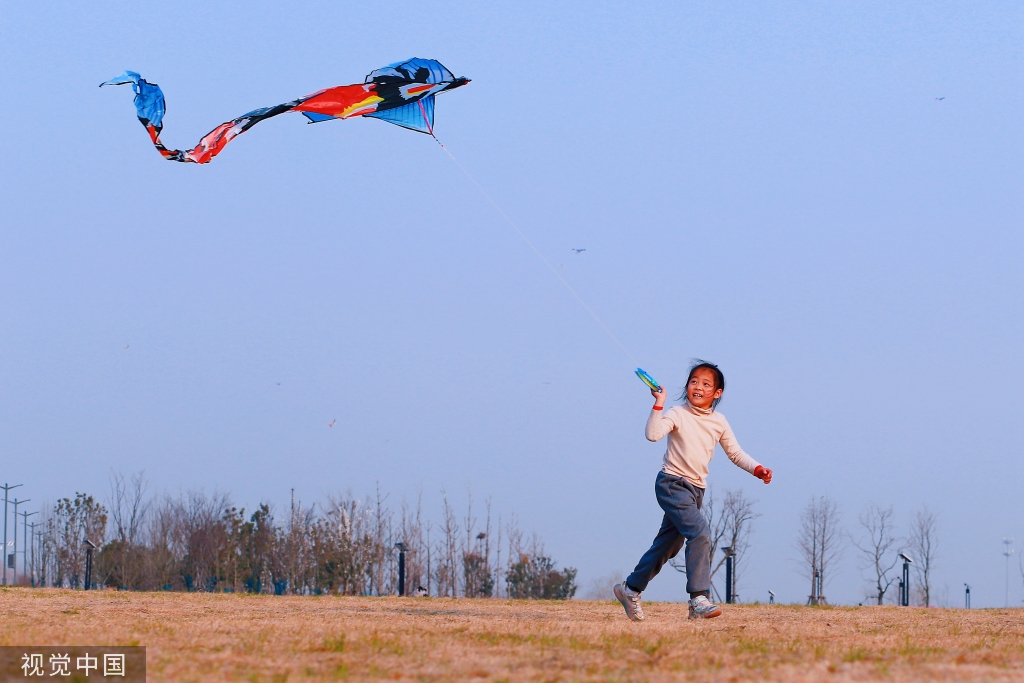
x=161, y=559
x=128, y=506
x=382, y=566
x=121, y=561
x=200, y=534
x=877, y=524
x=430, y=547
x=820, y=544
x=515, y=547
x=343, y=543
x=45, y=546
x=448, y=551
x=924, y=543
x=296, y=549
x=497, y=562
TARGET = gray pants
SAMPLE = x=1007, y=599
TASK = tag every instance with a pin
x=683, y=520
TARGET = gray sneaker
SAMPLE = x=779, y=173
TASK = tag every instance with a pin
x=630, y=599
x=702, y=608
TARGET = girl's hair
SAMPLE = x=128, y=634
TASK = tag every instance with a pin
x=695, y=365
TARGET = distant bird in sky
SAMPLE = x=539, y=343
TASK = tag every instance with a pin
x=278, y=384
x=331, y=423
x=579, y=251
x=939, y=99
x=126, y=346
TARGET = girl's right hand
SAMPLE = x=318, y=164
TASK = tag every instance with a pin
x=659, y=396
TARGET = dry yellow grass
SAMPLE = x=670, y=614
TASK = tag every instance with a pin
x=200, y=637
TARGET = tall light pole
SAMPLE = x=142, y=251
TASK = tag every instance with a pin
x=24, y=542
x=905, y=581
x=401, y=568
x=730, y=578
x=32, y=571
x=1006, y=553
x=16, y=504
x=6, y=488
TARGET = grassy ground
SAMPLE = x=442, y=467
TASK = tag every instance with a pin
x=199, y=637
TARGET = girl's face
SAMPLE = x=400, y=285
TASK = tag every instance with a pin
x=701, y=391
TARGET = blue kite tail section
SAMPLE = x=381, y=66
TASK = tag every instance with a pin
x=410, y=116
x=149, y=99
x=124, y=79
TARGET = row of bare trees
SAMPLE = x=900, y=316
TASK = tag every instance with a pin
x=877, y=543
x=201, y=542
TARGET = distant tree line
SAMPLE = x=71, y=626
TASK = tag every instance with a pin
x=345, y=546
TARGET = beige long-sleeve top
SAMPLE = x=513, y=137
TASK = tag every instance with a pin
x=692, y=435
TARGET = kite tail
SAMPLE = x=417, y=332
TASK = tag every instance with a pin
x=214, y=142
x=169, y=154
x=150, y=107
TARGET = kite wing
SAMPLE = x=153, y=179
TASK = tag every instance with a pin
x=401, y=93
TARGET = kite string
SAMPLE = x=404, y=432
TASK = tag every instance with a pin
x=531, y=245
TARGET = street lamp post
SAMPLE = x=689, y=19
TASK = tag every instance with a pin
x=401, y=568
x=730, y=576
x=32, y=569
x=6, y=488
x=24, y=541
x=16, y=504
x=905, y=581
x=89, y=547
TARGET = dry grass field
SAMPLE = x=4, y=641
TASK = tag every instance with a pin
x=202, y=637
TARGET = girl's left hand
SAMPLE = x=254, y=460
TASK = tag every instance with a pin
x=763, y=473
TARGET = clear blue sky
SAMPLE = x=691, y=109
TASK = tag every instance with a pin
x=772, y=186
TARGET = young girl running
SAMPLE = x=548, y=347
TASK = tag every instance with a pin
x=693, y=429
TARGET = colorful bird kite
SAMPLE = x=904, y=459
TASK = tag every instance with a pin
x=401, y=93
